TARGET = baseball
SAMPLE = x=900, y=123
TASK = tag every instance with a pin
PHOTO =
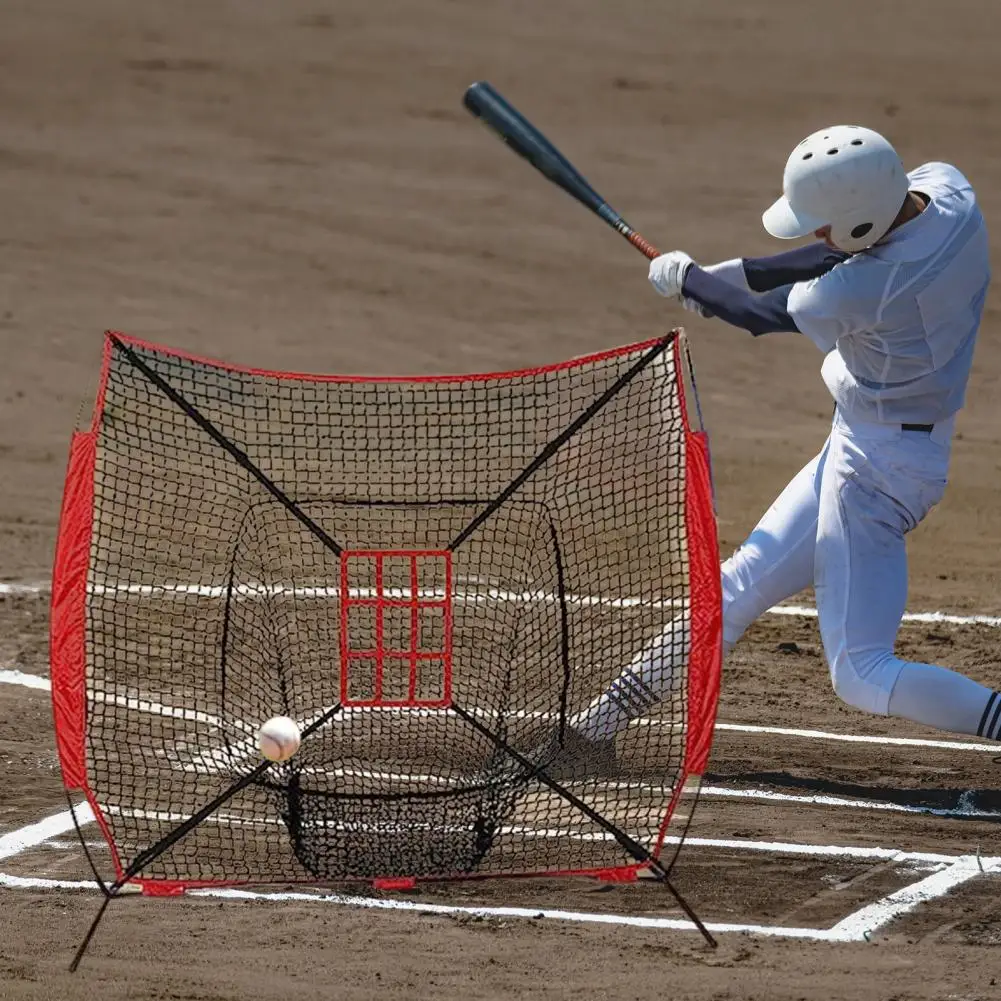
x=278, y=739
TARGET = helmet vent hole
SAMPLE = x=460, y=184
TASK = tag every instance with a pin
x=856, y=142
x=831, y=152
x=806, y=156
x=859, y=231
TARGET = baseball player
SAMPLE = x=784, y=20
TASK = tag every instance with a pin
x=892, y=295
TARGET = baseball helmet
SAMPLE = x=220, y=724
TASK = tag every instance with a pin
x=846, y=177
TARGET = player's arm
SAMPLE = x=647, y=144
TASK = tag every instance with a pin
x=800, y=265
x=756, y=313
x=762, y=274
x=752, y=294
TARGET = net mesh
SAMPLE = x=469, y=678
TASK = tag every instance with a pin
x=420, y=553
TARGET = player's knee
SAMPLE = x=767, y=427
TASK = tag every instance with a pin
x=848, y=685
x=742, y=602
x=733, y=619
x=862, y=677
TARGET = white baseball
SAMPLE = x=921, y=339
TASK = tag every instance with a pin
x=278, y=739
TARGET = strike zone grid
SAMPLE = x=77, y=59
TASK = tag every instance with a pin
x=425, y=668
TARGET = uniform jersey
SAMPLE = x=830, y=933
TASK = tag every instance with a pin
x=899, y=321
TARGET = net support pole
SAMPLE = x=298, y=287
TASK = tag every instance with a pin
x=237, y=453
x=151, y=854
x=630, y=845
x=561, y=439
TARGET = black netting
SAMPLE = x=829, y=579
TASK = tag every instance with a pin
x=270, y=545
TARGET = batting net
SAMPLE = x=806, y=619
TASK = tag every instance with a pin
x=433, y=576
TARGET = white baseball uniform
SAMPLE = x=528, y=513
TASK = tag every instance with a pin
x=897, y=324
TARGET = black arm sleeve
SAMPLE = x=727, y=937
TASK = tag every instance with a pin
x=800, y=265
x=757, y=314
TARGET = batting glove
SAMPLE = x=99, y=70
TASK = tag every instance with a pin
x=667, y=272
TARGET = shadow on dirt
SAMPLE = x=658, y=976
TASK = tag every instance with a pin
x=970, y=804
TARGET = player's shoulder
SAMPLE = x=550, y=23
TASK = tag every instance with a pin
x=847, y=287
x=938, y=178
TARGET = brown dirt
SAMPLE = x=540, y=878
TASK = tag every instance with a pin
x=295, y=186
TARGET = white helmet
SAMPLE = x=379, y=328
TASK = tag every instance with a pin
x=845, y=177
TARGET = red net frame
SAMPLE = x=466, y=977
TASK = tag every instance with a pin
x=72, y=565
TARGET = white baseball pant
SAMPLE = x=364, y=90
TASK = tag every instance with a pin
x=839, y=525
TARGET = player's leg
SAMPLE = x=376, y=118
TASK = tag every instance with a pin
x=872, y=493
x=775, y=562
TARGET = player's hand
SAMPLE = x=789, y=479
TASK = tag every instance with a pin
x=667, y=272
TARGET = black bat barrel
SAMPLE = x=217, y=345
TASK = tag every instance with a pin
x=528, y=142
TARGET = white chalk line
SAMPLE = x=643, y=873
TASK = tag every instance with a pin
x=38, y=834
x=851, y=929
x=11, y=676
x=211, y=761
x=858, y=926
x=853, y=738
x=863, y=922
x=143, y=704
x=644, y=834
x=449, y=910
x=19, y=590
x=723, y=792
x=252, y=590
x=489, y=594
x=947, y=618
x=41, y=834
x=65, y=846
x=852, y=804
x=421, y=780
x=24, y=838
x=917, y=860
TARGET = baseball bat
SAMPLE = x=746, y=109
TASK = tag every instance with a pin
x=529, y=143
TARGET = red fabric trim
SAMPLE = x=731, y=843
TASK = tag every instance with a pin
x=705, y=604
x=102, y=823
x=625, y=873
x=102, y=386
x=68, y=612
x=622, y=874
x=669, y=813
x=161, y=888
x=67, y=618
x=313, y=377
x=398, y=883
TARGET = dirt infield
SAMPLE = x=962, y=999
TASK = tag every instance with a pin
x=296, y=186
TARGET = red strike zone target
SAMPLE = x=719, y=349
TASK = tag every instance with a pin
x=425, y=573
x=418, y=662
